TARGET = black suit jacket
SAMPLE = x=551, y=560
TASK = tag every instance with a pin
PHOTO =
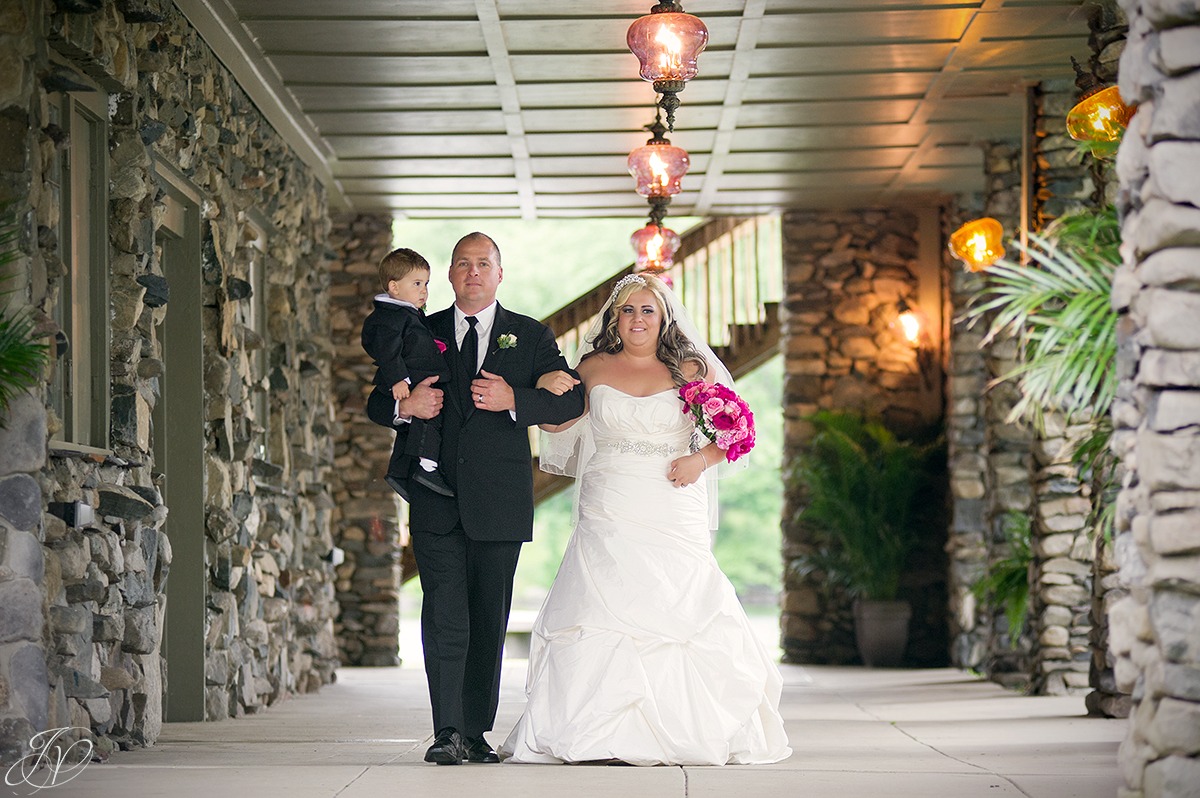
x=398, y=339
x=485, y=455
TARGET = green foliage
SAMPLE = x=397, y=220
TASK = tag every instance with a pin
x=748, y=534
x=1006, y=582
x=1060, y=308
x=861, y=486
x=22, y=357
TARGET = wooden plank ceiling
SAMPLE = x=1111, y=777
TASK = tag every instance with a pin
x=528, y=108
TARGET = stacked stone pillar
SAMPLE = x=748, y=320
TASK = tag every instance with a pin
x=989, y=457
x=844, y=274
x=1155, y=630
x=368, y=513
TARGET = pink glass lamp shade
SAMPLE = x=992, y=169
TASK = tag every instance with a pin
x=658, y=166
x=666, y=42
x=655, y=247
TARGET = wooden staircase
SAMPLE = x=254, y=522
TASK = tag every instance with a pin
x=729, y=274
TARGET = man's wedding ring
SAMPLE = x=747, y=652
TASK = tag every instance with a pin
x=479, y=397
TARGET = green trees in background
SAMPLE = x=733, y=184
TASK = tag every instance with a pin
x=547, y=262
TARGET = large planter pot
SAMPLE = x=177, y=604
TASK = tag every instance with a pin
x=881, y=631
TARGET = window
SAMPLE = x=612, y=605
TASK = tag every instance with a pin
x=79, y=393
x=257, y=340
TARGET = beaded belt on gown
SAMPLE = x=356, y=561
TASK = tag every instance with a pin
x=643, y=448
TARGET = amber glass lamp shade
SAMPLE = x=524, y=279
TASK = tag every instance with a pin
x=666, y=42
x=1101, y=116
x=658, y=166
x=978, y=243
x=655, y=248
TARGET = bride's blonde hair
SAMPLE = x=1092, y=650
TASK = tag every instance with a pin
x=674, y=348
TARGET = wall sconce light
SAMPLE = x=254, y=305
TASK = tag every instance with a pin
x=658, y=166
x=655, y=247
x=914, y=325
x=666, y=42
x=978, y=243
x=1100, y=115
x=909, y=323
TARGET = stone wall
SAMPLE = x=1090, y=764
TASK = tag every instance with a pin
x=367, y=523
x=1000, y=471
x=844, y=274
x=1155, y=630
x=270, y=602
x=989, y=457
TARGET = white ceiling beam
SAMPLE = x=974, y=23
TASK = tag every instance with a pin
x=739, y=75
x=510, y=104
x=934, y=135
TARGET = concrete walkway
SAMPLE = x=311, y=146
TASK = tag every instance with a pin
x=856, y=732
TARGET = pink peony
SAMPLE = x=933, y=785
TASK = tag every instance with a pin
x=724, y=421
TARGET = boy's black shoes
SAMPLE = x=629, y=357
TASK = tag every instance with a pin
x=397, y=485
x=432, y=480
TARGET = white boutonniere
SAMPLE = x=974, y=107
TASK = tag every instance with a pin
x=507, y=341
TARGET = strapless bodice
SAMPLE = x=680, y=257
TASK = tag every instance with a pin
x=653, y=425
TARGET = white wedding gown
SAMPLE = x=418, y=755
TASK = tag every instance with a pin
x=641, y=652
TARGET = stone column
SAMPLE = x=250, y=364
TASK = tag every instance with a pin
x=989, y=457
x=1155, y=630
x=24, y=691
x=1060, y=591
x=844, y=274
x=369, y=523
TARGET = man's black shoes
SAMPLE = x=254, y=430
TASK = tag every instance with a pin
x=478, y=750
x=447, y=748
x=432, y=480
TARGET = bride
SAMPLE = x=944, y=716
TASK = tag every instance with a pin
x=641, y=653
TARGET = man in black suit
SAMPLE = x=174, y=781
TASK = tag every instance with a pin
x=467, y=546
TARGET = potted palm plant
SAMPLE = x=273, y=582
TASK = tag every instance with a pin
x=861, y=486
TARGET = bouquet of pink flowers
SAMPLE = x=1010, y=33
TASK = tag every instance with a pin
x=721, y=416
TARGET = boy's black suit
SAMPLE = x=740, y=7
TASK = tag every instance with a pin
x=467, y=546
x=399, y=341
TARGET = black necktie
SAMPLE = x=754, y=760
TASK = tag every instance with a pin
x=470, y=348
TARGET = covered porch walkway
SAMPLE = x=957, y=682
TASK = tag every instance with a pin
x=856, y=733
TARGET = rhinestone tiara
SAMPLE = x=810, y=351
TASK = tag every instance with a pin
x=628, y=279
